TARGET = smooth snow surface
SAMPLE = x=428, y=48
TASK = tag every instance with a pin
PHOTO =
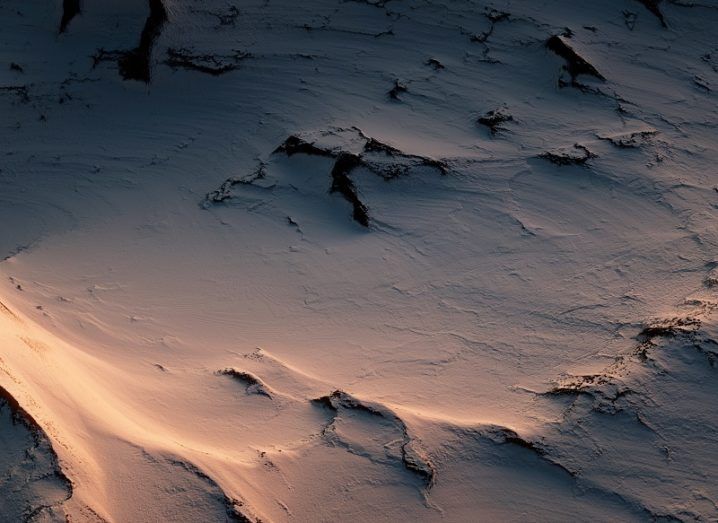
x=342, y=260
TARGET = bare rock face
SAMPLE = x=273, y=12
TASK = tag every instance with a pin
x=70, y=9
x=32, y=484
x=136, y=64
x=357, y=152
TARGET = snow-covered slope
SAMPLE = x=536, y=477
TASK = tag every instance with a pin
x=358, y=260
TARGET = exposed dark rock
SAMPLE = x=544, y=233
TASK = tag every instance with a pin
x=295, y=145
x=669, y=328
x=292, y=222
x=494, y=16
x=604, y=391
x=702, y=83
x=253, y=384
x=234, y=508
x=341, y=183
x=235, y=512
x=630, y=140
x=412, y=458
x=435, y=64
x=214, y=65
x=578, y=155
x=377, y=157
x=70, y=9
x=506, y=436
x=135, y=64
x=398, y=89
x=629, y=18
x=575, y=64
x=224, y=192
x=577, y=385
x=439, y=165
x=495, y=119
x=375, y=146
x=653, y=7
x=39, y=485
x=19, y=414
x=389, y=162
x=374, y=3
x=328, y=28
x=21, y=91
